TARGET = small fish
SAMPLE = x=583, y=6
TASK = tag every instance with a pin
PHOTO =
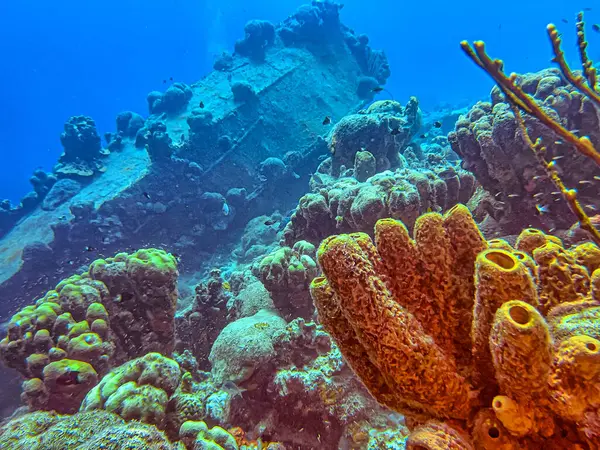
x=395, y=131
x=590, y=207
x=559, y=142
x=261, y=325
x=539, y=194
x=225, y=209
x=377, y=89
x=233, y=389
x=537, y=177
x=556, y=158
x=513, y=195
x=552, y=230
x=176, y=256
x=564, y=20
x=164, y=81
x=587, y=9
x=596, y=28
x=170, y=78
x=542, y=209
x=437, y=124
x=201, y=105
x=89, y=248
x=145, y=194
x=226, y=285
x=326, y=120
x=270, y=222
x=423, y=136
x=586, y=182
x=498, y=194
x=597, y=177
x=556, y=193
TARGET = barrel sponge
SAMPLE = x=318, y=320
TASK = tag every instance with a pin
x=531, y=238
x=499, y=278
x=521, y=349
x=561, y=278
x=197, y=436
x=575, y=378
x=437, y=436
x=392, y=337
x=139, y=389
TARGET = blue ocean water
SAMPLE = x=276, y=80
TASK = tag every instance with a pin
x=99, y=58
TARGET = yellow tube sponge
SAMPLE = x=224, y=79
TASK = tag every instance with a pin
x=574, y=383
x=587, y=255
x=532, y=238
x=438, y=436
x=410, y=361
x=521, y=349
x=499, y=277
x=561, y=278
x=518, y=420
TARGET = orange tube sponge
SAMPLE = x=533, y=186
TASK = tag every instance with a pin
x=561, y=278
x=531, y=238
x=516, y=418
x=521, y=349
x=410, y=361
x=499, y=277
x=489, y=433
x=438, y=436
x=332, y=319
x=575, y=376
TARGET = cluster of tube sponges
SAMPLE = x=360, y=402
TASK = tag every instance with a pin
x=480, y=344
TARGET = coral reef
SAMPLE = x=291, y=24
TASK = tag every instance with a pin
x=553, y=111
x=260, y=34
x=448, y=327
x=172, y=101
x=346, y=205
x=82, y=149
x=286, y=274
x=383, y=129
x=82, y=431
x=121, y=308
x=138, y=390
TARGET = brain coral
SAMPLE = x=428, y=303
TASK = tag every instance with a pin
x=479, y=344
x=62, y=345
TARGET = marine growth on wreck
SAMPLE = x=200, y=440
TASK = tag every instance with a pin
x=283, y=255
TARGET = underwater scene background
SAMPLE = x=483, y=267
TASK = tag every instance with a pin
x=276, y=225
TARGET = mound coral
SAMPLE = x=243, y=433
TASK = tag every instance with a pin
x=83, y=431
x=286, y=274
x=121, y=308
x=554, y=115
x=347, y=205
x=478, y=344
x=383, y=129
x=138, y=390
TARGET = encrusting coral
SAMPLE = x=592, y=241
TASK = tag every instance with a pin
x=480, y=345
x=123, y=307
